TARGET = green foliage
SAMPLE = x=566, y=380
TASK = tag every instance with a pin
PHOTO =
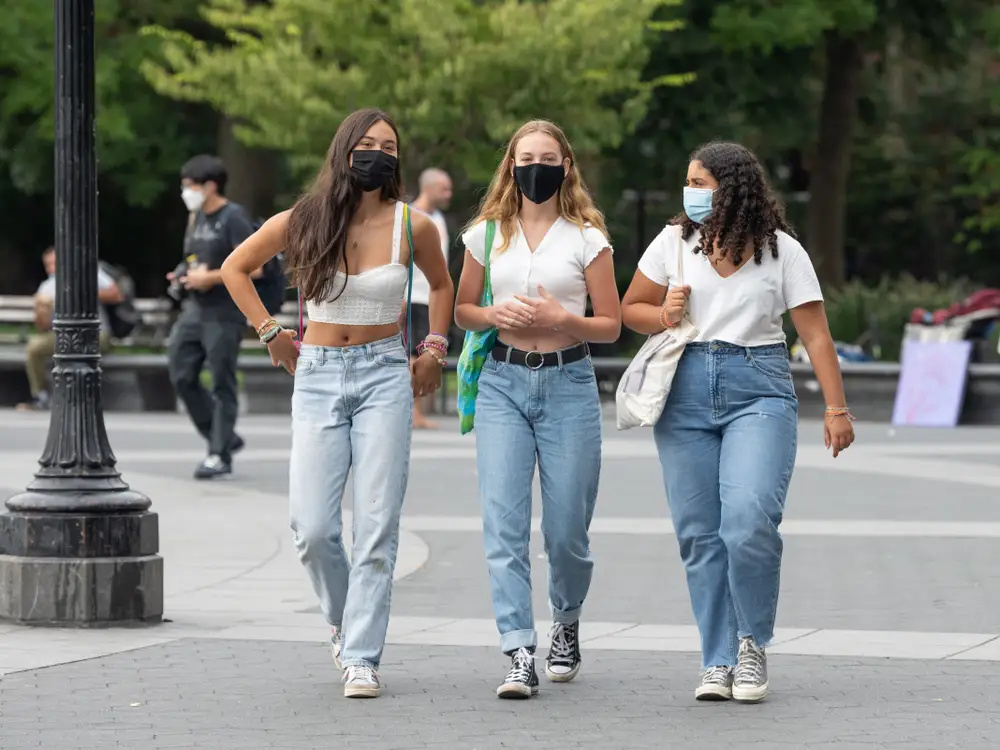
x=875, y=315
x=458, y=76
x=142, y=137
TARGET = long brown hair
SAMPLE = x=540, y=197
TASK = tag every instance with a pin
x=316, y=242
x=503, y=199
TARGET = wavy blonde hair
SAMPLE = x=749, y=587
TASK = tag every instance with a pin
x=503, y=199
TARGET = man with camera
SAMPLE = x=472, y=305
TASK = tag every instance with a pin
x=210, y=327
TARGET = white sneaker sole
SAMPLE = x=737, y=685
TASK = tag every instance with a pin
x=361, y=691
x=750, y=694
x=713, y=693
x=562, y=676
x=514, y=691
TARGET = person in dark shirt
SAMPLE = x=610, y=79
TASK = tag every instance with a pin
x=210, y=326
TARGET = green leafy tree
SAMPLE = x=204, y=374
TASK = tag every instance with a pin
x=459, y=76
x=849, y=37
x=142, y=137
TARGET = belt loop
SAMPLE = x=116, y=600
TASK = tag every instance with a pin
x=507, y=356
x=559, y=358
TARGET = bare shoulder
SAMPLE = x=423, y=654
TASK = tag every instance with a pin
x=424, y=231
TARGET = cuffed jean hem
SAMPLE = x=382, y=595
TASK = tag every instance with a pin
x=510, y=642
x=568, y=617
x=358, y=663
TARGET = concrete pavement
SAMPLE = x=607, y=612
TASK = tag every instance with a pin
x=889, y=623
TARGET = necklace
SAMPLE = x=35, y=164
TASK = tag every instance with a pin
x=364, y=226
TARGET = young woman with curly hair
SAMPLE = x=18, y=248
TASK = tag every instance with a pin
x=347, y=248
x=727, y=435
x=538, y=396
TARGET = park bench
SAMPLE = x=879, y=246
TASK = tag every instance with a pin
x=17, y=321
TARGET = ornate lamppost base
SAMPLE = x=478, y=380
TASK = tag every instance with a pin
x=80, y=567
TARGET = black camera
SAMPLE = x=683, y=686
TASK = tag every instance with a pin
x=177, y=291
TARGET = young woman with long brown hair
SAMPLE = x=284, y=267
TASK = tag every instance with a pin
x=537, y=392
x=345, y=243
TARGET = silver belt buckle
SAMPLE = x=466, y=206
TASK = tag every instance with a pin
x=527, y=360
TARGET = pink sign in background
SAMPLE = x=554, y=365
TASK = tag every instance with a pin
x=931, y=383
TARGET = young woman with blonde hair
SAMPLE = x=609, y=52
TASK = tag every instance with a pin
x=347, y=248
x=537, y=392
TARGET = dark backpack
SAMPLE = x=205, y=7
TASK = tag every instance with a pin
x=272, y=285
x=123, y=318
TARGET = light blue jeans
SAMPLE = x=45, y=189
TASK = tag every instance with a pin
x=727, y=442
x=551, y=415
x=352, y=409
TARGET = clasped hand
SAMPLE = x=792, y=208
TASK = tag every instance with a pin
x=543, y=311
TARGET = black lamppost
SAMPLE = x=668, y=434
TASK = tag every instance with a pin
x=78, y=547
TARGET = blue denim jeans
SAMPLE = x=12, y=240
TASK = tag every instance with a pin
x=553, y=415
x=352, y=409
x=727, y=442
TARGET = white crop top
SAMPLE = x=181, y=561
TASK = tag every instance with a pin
x=557, y=264
x=743, y=309
x=370, y=298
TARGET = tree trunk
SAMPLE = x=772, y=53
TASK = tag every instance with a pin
x=253, y=173
x=832, y=160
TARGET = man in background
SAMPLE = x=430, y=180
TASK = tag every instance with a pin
x=210, y=327
x=41, y=345
x=434, y=198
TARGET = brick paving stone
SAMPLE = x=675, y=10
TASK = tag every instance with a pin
x=443, y=696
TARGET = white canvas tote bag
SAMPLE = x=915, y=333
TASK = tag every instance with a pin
x=643, y=390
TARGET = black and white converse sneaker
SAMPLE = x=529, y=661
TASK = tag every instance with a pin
x=750, y=678
x=716, y=684
x=522, y=680
x=563, y=661
x=213, y=467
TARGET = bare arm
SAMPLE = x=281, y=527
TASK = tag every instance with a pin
x=605, y=326
x=642, y=305
x=427, y=256
x=110, y=295
x=814, y=330
x=469, y=315
x=239, y=269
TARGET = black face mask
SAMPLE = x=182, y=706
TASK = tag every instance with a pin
x=539, y=182
x=372, y=168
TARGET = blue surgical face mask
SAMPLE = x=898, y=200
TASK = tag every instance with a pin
x=698, y=203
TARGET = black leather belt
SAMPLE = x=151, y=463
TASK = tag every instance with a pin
x=537, y=360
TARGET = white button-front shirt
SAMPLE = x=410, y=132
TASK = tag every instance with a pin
x=557, y=264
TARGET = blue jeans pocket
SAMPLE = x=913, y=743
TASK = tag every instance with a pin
x=581, y=371
x=771, y=365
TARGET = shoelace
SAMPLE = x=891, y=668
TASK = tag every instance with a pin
x=520, y=666
x=562, y=650
x=750, y=664
x=715, y=676
x=361, y=673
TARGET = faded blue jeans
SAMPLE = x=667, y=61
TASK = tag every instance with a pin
x=727, y=442
x=551, y=415
x=352, y=409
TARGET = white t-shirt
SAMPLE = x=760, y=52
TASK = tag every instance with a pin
x=557, y=264
x=47, y=289
x=746, y=308
x=421, y=287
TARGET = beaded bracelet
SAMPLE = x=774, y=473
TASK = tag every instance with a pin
x=839, y=411
x=663, y=319
x=266, y=324
x=270, y=334
x=424, y=348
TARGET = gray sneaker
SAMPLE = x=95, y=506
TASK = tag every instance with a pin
x=337, y=643
x=716, y=684
x=750, y=679
x=361, y=681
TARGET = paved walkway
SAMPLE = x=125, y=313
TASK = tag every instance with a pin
x=889, y=621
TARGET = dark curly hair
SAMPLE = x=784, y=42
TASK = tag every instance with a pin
x=744, y=209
